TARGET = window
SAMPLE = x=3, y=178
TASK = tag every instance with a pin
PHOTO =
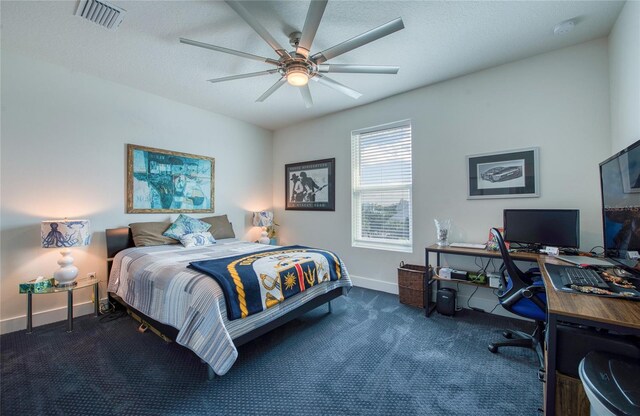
x=381, y=215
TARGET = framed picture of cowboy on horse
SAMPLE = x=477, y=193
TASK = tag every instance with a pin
x=310, y=186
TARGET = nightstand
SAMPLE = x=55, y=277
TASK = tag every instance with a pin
x=80, y=284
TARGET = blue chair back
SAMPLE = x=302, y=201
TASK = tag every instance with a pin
x=521, y=295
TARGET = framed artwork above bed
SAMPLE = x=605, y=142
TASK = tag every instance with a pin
x=164, y=181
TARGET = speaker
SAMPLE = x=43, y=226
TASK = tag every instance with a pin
x=446, y=301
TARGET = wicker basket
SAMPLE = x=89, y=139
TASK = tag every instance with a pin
x=411, y=284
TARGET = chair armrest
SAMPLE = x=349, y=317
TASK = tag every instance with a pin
x=528, y=292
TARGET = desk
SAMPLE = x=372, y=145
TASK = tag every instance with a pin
x=429, y=306
x=614, y=314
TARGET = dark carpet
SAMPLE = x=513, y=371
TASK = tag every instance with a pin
x=371, y=356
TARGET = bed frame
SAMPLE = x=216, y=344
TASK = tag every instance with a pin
x=119, y=239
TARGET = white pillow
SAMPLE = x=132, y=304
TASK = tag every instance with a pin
x=198, y=239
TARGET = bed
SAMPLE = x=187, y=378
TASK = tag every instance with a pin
x=188, y=306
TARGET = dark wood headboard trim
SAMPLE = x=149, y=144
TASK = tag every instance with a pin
x=117, y=240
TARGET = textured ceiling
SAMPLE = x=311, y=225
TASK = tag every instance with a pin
x=442, y=40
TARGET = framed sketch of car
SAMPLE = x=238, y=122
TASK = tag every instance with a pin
x=507, y=174
x=502, y=173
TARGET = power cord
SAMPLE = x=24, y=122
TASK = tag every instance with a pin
x=109, y=312
x=113, y=315
x=469, y=298
x=480, y=266
x=493, y=266
x=103, y=308
x=107, y=308
x=494, y=308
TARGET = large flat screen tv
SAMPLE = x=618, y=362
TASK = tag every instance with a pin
x=543, y=227
x=620, y=186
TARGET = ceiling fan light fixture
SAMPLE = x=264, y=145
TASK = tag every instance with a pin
x=296, y=67
x=298, y=76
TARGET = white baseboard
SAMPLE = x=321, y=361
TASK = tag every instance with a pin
x=374, y=284
x=19, y=323
x=461, y=299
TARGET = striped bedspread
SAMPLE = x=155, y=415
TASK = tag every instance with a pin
x=157, y=282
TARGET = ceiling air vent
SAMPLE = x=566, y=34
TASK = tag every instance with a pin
x=101, y=13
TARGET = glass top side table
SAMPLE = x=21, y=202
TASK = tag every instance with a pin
x=80, y=284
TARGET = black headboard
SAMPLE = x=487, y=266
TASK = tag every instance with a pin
x=117, y=240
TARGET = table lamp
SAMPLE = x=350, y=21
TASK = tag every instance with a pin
x=65, y=234
x=263, y=219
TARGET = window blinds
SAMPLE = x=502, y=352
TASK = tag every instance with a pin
x=381, y=187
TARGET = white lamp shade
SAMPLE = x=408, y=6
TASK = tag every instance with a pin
x=263, y=219
x=65, y=233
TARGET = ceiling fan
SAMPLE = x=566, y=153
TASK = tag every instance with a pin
x=298, y=66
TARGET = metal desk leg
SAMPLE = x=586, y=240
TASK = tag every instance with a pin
x=96, y=294
x=427, y=295
x=29, y=313
x=428, y=282
x=426, y=286
x=550, y=383
x=70, y=311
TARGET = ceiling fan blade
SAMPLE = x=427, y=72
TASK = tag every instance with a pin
x=241, y=76
x=360, y=40
x=257, y=26
x=271, y=90
x=306, y=96
x=311, y=23
x=358, y=69
x=324, y=80
x=227, y=50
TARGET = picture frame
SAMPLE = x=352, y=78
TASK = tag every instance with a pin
x=506, y=174
x=161, y=180
x=310, y=186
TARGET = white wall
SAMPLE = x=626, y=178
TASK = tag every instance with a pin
x=624, y=68
x=63, y=148
x=558, y=101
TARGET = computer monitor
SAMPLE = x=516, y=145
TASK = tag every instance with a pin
x=543, y=227
x=620, y=186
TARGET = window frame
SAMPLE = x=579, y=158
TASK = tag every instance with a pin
x=357, y=192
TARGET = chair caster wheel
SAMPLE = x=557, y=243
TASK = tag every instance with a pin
x=493, y=348
x=507, y=335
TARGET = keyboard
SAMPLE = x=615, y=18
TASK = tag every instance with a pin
x=564, y=276
x=469, y=245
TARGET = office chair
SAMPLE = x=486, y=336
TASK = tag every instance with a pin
x=522, y=295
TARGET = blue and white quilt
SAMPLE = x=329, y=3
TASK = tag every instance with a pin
x=255, y=282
